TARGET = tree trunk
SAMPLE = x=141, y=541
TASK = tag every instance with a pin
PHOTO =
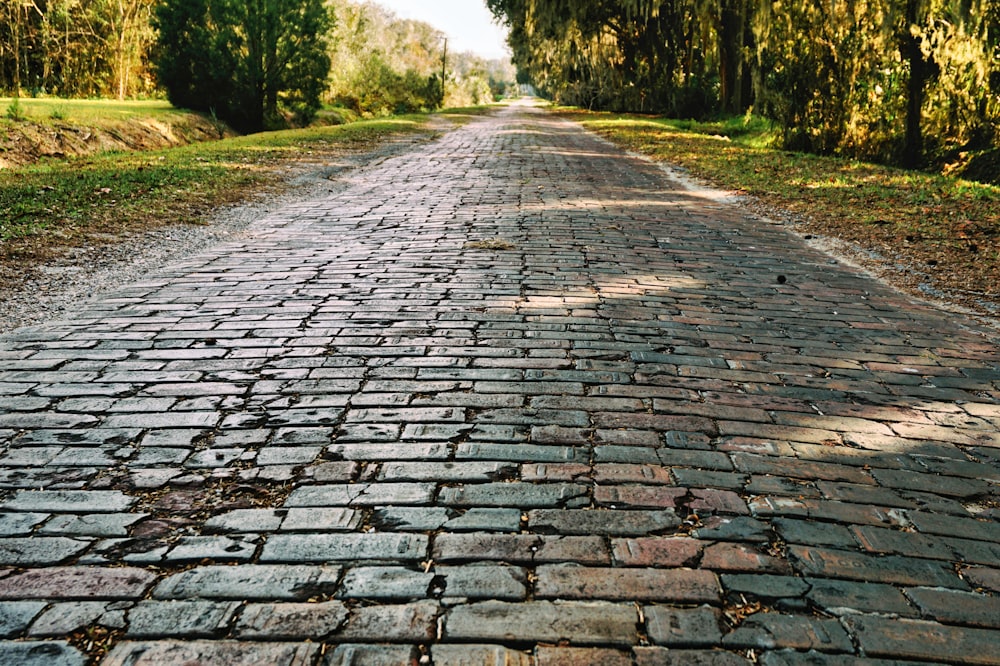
x=730, y=36
x=913, y=140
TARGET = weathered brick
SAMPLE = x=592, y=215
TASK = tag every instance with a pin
x=632, y=584
x=77, y=583
x=921, y=640
x=250, y=581
x=342, y=547
x=814, y=533
x=414, y=622
x=639, y=497
x=215, y=548
x=841, y=597
x=600, y=522
x=69, y=501
x=361, y=494
x=773, y=630
x=680, y=628
x=39, y=551
x=372, y=655
x=528, y=453
x=957, y=607
x=182, y=619
x=41, y=653
x=984, y=577
x=709, y=500
x=232, y=653
x=741, y=557
x=568, y=656
x=474, y=655
x=815, y=658
x=15, y=616
x=661, y=656
x=892, y=569
x=765, y=585
x=520, y=548
x=445, y=471
x=878, y=540
x=290, y=621
x=657, y=551
x=543, y=621
x=523, y=495
x=649, y=474
x=66, y=618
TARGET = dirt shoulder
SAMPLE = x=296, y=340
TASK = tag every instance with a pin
x=28, y=141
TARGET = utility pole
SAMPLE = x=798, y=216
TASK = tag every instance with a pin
x=444, y=68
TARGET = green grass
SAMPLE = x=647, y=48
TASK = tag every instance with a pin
x=84, y=111
x=57, y=201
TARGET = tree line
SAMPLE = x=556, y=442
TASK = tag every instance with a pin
x=254, y=63
x=898, y=81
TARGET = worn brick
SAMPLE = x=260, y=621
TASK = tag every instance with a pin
x=684, y=628
x=841, y=597
x=741, y=557
x=568, y=656
x=41, y=653
x=476, y=655
x=39, y=551
x=639, y=497
x=68, y=501
x=65, y=618
x=77, y=583
x=815, y=658
x=957, y=607
x=661, y=656
x=774, y=630
x=371, y=655
x=814, y=533
x=657, y=551
x=892, y=569
x=599, y=522
x=15, y=616
x=765, y=585
x=361, y=494
x=231, y=653
x=256, y=582
x=520, y=548
x=921, y=640
x=983, y=577
x=581, y=623
x=182, y=619
x=634, y=584
x=290, y=621
x=523, y=495
x=343, y=547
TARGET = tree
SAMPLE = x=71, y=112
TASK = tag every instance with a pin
x=244, y=60
x=129, y=36
x=904, y=81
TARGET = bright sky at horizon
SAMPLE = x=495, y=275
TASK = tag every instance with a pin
x=468, y=24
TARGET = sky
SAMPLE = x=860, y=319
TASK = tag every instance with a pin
x=468, y=24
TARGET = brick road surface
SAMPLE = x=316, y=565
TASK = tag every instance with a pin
x=511, y=397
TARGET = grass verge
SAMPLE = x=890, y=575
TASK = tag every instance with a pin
x=944, y=230
x=58, y=203
x=87, y=110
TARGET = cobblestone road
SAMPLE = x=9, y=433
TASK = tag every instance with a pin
x=511, y=398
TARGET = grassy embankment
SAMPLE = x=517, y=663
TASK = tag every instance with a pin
x=62, y=202
x=946, y=230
